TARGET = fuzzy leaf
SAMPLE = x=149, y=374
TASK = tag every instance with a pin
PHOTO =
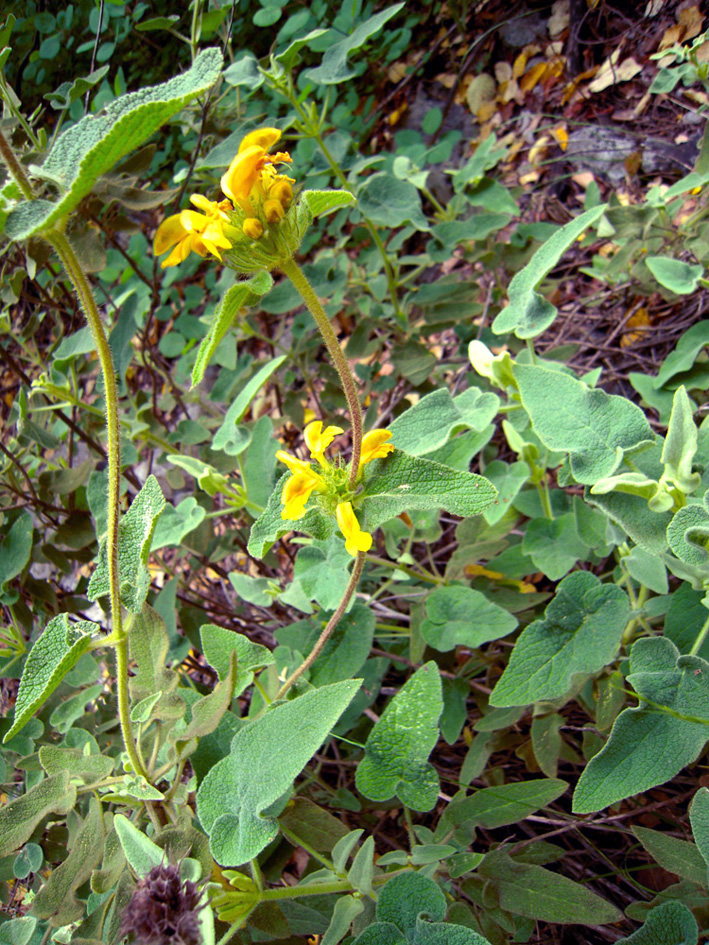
x=334, y=67
x=670, y=923
x=430, y=423
x=502, y=805
x=401, y=482
x=579, y=635
x=225, y=438
x=55, y=652
x=95, y=144
x=135, y=535
x=679, y=277
x=595, y=428
x=325, y=201
x=142, y=854
x=241, y=295
x=673, y=710
x=397, y=749
x=529, y=313
x=461, y=616
x=218, y=645
x=19, y=817
x=266, y=756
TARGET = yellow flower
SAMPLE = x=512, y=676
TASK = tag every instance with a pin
x=318, y=440
x=297, y=491
x=355, y=539
x=189, y=231
x=374, y=446
x=251, y=174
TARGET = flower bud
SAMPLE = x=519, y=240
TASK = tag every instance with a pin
x=273, y=211
x=253, y=228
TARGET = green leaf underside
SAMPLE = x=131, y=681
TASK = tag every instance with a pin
x=595, y=428
x=55, y=652
x=528, y=313
x=134, y=540
x=397, y=749
x=580, y=633
x=241, y=295
x=402, y=482
x=218, y=644
x=266, y=756
x=97, y=143
x=673, y=710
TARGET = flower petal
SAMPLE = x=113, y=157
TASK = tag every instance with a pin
x=293, y=463
x=355, y=539
x=375, y=446
x=169, y=232
x=296, y=493
x=263, y=138
x=242, y=173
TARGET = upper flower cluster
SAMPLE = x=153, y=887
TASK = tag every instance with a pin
x=330, y=481
x=259, y=198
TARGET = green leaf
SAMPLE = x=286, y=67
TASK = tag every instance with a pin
x=176, y=522
x=699, y=819
x=28, y=860
x=289, y=57
x=135, y=535
x=218, y=644
x=648, y=529
x=244, y=72
x=57, y=899
x=17, y=931
x=142, y=854
x=397, y=749
x=554, y=546
x=681, y=443
x=688, y=535
x=89, y=768
x=157, y=23
x=381, y=933
x=55, y=652
x=387, y=201
x=529, y=313
x=683, y=357
x=647, y=569
x=362, y=870
x=346, y=910
x=677, y=856
x=241, y=295
x=226, y=438
x=20, y=817
x=445, y=933
x=675, y=275
x=15, y=548
x=670, y=923
x=403, y=898
x=581, y=632
x=429, y=424
x=595, y=428
x=334, y=67
x=325, y=201
x=674, y=710
x=532, y=891
x=460, y=616
x=270, y=526
x=402, y=482
x=266, y=755
x=508, y=479
x=502, y=805
x=149, y=645
x=95, y=144
x=320, y=574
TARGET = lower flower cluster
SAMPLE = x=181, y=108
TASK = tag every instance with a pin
x=331, y=481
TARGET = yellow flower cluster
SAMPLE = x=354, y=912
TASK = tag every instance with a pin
x=305, y=480
x=252, y=185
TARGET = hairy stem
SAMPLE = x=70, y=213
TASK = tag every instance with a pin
x=295, y=274
x=119, y=637
x=329, y=627
x=15, y=168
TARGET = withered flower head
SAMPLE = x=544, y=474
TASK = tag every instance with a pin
x=163, y=910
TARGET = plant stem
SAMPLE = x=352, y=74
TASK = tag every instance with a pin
x=119, y=636
x=314, y=132
x=15, y=168
x=701, y=637
x=545, y=498
x=296, y=276
x=329, y=627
